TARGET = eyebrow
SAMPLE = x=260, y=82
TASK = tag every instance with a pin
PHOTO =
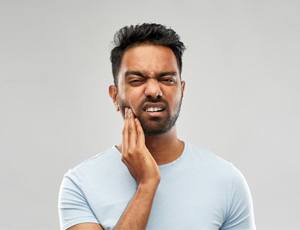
x=142, y=74
x=134, y=72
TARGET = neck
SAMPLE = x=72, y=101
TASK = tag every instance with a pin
x=165, y=147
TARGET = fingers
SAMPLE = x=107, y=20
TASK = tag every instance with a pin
x=129, y=133
x=140, y=133
x=132, y=133
x=125, y=133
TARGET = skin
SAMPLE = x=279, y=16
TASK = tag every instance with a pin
x=152, y=61
x=147, y=73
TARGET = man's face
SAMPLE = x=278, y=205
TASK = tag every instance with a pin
x=149, y=83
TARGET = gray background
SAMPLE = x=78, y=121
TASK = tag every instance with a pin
x=241, y=101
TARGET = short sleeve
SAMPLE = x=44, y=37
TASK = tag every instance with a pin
x=240, y=214
x=73, y=207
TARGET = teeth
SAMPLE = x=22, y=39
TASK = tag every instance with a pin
x=153, y=109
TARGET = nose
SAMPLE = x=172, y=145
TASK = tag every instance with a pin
x=153, y=89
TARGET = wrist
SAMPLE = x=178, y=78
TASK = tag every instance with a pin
x=148, y=186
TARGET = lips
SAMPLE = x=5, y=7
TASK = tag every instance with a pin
x=154, y=107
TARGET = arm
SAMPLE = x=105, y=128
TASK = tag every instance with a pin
x=144, y=169
x=240, y=215
x=86, y=226
x=136, y=214
x=73, y=208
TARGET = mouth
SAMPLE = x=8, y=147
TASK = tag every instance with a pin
x=154, y=109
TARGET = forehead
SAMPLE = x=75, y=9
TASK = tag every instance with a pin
x=149, y=59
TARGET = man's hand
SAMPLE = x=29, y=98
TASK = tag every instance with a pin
x=144, y=169
x=135, y=154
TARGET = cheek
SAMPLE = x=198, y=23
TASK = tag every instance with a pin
x=132, y=100
x=175, y=101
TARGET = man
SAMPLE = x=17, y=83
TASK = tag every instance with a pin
x=152, y=180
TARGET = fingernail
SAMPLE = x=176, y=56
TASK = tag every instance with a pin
x=129, y=113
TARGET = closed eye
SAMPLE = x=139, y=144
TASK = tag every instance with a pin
x=168, y=80
x=136, y=82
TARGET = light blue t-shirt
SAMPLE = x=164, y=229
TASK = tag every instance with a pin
x=199, y=190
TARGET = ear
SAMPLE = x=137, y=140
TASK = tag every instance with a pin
x=113, y=93
x=183, y=87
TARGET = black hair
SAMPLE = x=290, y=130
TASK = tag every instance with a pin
x=151, y=33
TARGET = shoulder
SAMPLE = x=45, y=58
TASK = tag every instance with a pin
x=213, y=164
x=225, y=176
x=98, y=164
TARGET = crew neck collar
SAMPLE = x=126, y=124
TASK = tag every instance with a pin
x=169, y=164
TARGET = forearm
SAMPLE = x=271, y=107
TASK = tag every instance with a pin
x=135, y=216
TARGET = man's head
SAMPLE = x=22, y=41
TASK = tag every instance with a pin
x=146, y=65
x=134, y=35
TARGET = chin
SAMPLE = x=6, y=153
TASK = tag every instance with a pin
x=154, y=132
x=158, y=130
